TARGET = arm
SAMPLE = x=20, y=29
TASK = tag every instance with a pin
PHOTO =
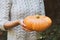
x=11, y=24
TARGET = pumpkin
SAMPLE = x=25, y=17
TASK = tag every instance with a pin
x=37, y=23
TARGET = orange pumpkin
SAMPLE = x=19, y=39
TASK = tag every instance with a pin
x=37, y=23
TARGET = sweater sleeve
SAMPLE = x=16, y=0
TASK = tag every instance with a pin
x=4, y=13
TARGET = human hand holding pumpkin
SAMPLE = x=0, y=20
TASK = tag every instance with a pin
x=37, y=23
x=24, y=26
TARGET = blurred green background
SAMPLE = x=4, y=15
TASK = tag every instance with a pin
x=52, y=9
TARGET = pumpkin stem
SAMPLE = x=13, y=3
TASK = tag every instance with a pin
x=38, y=16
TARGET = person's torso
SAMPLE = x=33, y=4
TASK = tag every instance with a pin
x=19, y=10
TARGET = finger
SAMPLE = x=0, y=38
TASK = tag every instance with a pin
x=22, y=23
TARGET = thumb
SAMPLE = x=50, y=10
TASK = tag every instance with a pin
x=22, y=23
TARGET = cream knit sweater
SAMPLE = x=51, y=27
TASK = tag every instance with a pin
x=18, y=9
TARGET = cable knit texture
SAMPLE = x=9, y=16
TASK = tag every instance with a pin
x=19, y=9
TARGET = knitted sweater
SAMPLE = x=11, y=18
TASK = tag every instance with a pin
x=11, y=10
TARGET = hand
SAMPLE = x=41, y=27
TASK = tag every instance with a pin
x=24, y=26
